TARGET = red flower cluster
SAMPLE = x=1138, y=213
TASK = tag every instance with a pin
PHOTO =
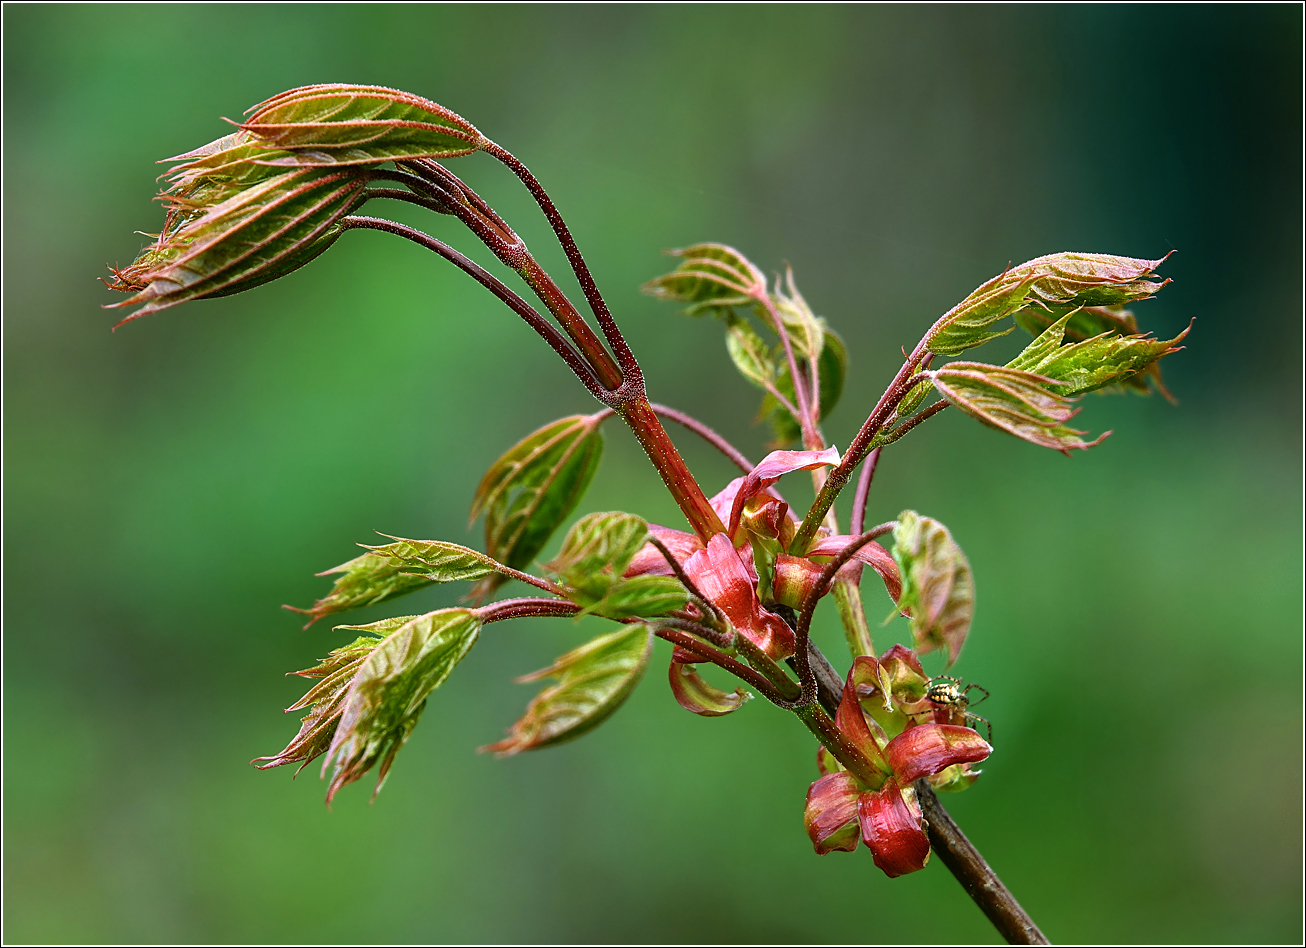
x=759, y=530
x=880, y=715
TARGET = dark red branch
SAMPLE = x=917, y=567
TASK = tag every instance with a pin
x=526, y=607
x=974, y=874
x=625, y=358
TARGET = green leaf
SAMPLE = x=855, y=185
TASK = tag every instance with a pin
x=593, y=681
x=326, y=698
x=396, y=568
x=597, y=551
x=533, y=488
x=258, y=234
x=380, y=628
x=237, y=161
x=389, y=692
x=912, y=400
x=710, y=273
x=937, y=587
x=364, y=581
x=645, y=596
x=1055, y=284
x=833, y=366
x=1010, y=400
x=1107, y=359
x=750, y=353
x=438, y=560
x=719, y=306
x=367, y=123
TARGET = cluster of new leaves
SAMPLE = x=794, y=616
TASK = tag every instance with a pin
x=268, y=198
x=271, y=196
x=719, y=280
x=373, y=691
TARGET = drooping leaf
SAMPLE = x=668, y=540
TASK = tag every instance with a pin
x=698, y=697
x=1020, y=403
x=389, y=692
x=533, y=488
x=833, y=368
x=893, y=829
x=325, y=702
x=1056, y=283
x=730, y=584
x=344, y=124
x=937, y=587
x=258, y=234
x=1094, y=363
x=710, y=273
x=592, y=682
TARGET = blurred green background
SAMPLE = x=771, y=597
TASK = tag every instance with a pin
x=170, y=485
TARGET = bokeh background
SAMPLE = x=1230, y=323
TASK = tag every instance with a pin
x=168, y=486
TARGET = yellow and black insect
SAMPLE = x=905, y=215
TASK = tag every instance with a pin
x=953, y=694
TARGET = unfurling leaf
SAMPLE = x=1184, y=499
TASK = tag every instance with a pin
x=364, y=580
x=750, y=353
x=1056, y=283
x=325, y=701
x=806, y=331
x=351, y=124
x=533, y=488
x=1105, y=359
x=597, y=550
x=397, y=568
x=711, y=274
x=937, y=587
x=1019, y=403
x=645, y=596
x=593, y=681
x=595, y=555
x=438, y=560
x=390, y=689
x=250, y=236
x=695, y=695
x=912, y=400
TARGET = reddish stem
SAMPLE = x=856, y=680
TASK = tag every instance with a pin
x=706, y=433
x=653, y=438
x=861, y=444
